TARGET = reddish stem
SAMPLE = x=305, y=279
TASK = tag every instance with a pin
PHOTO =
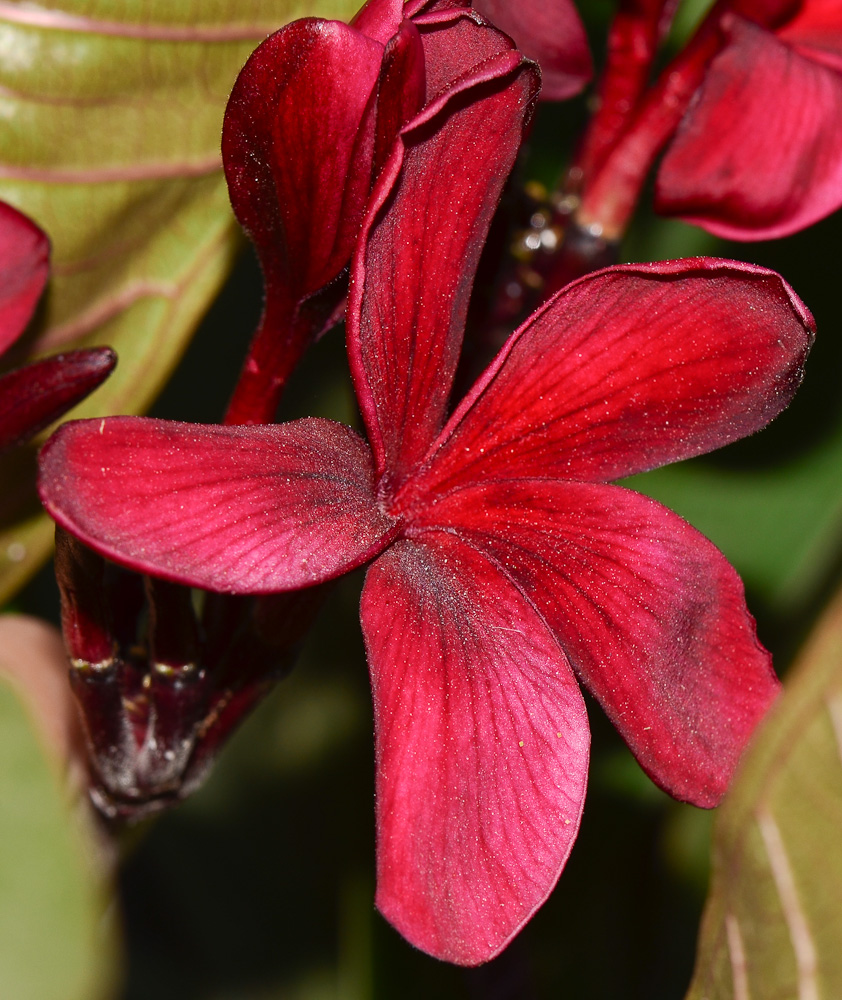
x=611, y=195
x=633, y=39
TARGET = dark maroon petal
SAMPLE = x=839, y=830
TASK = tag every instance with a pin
x=628, y=369
x=415, y=264
x=482, y=749
x=649, y=612
x=457, y=43
x=759, y=155
x=24, y=266
x=297, y=145
x=34, y=396
x=402, y=89
x=551, y=33
x=239, y=509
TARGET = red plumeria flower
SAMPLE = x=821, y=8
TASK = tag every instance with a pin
x=505, y=567
x=34, y=396
x=307, y=129
x=759, y=153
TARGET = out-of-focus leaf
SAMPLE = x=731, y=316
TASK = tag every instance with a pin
x=111, y=117
x=56, y=941
x=773, y=922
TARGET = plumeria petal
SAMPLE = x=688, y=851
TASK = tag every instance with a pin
x=379, y=19
x=457, y=43
x=402, y=89
x=34, y=396
x=816, y=31
x=775, y=166
x=629, y=369
x=239, y=509
x=24, y=266
x=298, y=144
x=651, y=615
x=413, y=271
x=551, y=33
x=482, y=748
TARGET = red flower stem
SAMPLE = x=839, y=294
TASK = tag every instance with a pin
x=275, y=350
x=633, y=39
x=609, y=196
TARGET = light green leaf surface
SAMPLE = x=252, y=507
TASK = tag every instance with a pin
x=773, y=923
x=55, y=940
x=110, y=121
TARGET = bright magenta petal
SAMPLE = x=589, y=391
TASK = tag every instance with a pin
x=379, y=19
x=651, y=615
x=628, y=369
x=551, y=33
x=412, y=275
x=482, y=749
x=240, y=509
x=816, y=31
x=34, y=396
x=24, y=266
x=759, y=155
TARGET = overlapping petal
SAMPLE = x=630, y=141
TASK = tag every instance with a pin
x=482, y=748
x=629, y=369
x=759, y=155
x=34, y=396
x=650, y=614
x=239, y=509
x=412, y=274
x=24, y=266
x=298, y=143
x=551, y=33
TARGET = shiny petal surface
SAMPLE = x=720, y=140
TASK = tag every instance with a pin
x=482, y=749
x=24, y=265
x=414, y=267
x=551, y=33
x=239, y=509
x=34, y=396
x=629, y=369
x=457, y=43
x=379, y=19
x=402, y=89
x=650, y=614
x=297, y=145
x=748, y=166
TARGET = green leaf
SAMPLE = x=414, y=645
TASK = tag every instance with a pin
x=55, y=940
x=773, y=921
x=112, y=115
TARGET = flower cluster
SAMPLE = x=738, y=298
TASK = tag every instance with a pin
x=505, y=569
